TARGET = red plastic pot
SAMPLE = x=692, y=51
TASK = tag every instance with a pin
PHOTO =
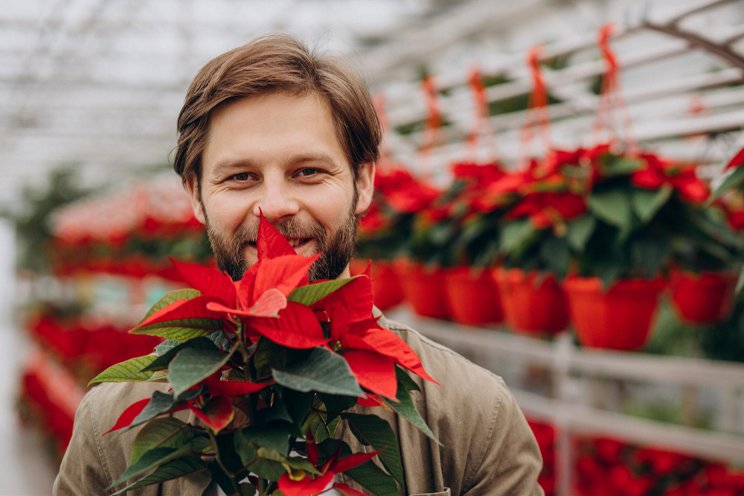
x=473, y=296
x=385, y=282
x=619, y=318
x=423, y=288
x=533, y=304
x=703, y=298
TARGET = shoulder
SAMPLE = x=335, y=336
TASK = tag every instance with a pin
x=94, y=458
x=448, y=367
x=489, y=448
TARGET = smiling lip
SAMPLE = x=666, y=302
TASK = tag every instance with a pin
x=296, y=244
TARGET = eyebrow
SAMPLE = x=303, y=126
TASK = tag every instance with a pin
x=228, y=165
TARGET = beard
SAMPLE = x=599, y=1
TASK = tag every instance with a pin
x=336, y=248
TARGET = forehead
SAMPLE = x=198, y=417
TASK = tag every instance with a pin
x=271, y=123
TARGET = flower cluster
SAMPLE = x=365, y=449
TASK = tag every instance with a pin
x=388, y=223
x=270, y=365
x=610, y=466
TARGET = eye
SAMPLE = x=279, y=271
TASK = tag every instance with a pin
x=241, y=177
x=308, y=172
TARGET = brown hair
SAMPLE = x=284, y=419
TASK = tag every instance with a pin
x=277, y=63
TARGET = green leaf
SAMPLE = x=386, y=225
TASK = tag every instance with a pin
x=161, y=433
x=325, y=430
x=373, y=431
x=245, y=488
x=323, y=371
x=159, y=403
x=165, y=347
x=170, y=298
x=579, y=231
x=201, y=343
x=244, y=448
x=555, y=253
x=620, y=166
x=515, y=235
x=181, y=330
x=267, y=469
x=405, y=407
x=298, y=405
x=405, y=381
x=651, y=254
x=733, y=180
x=126, y=371
x=191, y=366
x=313, y=293
x=374, y=479
x=159, y=456
x=274, y=437
x=612, y=206
x=171, y=470
x=647, y=202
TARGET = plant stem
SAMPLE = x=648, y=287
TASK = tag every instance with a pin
x=218, y=458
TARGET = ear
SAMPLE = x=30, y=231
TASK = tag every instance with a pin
x=192, y=187
x=365, y=183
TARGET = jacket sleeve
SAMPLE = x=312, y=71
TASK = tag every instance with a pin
x=84, y=469
x=507, y=461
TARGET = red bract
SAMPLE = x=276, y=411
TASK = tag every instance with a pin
x=311, y=485
x=258, y=298
x=479, y=175
x=736, y=161
x=501, y=192
x=403, y=192
x=413, y=197
x=373, y=220
x=370, y=350
x=550, y=208
x=681, y=177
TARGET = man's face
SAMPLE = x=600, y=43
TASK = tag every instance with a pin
x=279, y=154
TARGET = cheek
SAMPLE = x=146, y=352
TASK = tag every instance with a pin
x=331, y=207
x=227, y=213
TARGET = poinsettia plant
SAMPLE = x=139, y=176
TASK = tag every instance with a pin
x=649, y=213
x=269, y=365
x=458, y=229
x=609, y=213
x=537, y=207
x=387, y=226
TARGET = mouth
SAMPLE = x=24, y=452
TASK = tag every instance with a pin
x=297, y=244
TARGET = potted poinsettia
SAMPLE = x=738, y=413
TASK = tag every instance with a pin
x=268, y=366
x=708, y=253
x=387, y=231
x=537, y=233
x=470, y=237
x=386, y=227
x=644, y=213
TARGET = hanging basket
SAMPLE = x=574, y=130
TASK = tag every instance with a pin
x=533, y=303
x=703, y=298
x=473, y=296
x=423, y=288
x=385, y=282
x=619, y=318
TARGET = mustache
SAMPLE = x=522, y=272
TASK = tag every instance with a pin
x=290, y=229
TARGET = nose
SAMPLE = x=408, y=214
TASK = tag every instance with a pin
x=277, y=200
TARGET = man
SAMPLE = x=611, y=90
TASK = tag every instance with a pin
x=271, y=128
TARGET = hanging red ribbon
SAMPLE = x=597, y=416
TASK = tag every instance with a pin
x=433, y=113
x=433, y=120
x=610, y=99
x=378, y=101
x=537, y=112
x=481, y=126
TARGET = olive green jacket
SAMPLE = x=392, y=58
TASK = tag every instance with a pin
x=487, y=447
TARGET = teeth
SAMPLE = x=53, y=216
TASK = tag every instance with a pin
x=295, y=242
